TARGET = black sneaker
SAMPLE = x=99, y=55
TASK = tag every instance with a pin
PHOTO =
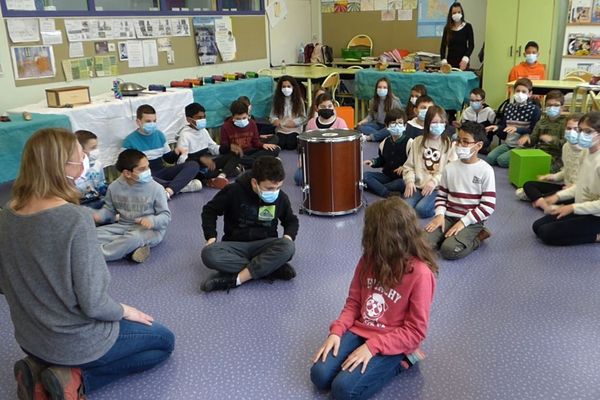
x=284, y=273
x=219, y=281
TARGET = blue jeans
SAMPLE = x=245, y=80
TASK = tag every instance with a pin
x=423, y=205
x=375, y=130
x=354, y=385
x=298, y=179
x=381, y=184
x=137, y=349
x=499, y=156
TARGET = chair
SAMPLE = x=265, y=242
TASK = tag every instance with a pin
x=331, y=83
x=318, y=65
x=361, y=41
x=578, y=75
x=347, y=114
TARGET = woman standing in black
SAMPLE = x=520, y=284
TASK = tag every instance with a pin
x=457, y=39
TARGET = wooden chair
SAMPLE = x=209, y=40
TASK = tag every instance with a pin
x=318, y=65
x=581, y=96
x=331, y=83
x=361, y=42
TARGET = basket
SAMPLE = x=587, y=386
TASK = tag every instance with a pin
x=355, y=54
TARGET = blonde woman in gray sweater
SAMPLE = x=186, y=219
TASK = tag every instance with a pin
x=54, y=278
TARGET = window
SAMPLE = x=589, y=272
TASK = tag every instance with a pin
x=52, y=5
x=127, y=5
x=240, y=5
x=191, y=5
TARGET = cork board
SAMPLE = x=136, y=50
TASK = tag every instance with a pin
x=339, y=28
x=249, y=32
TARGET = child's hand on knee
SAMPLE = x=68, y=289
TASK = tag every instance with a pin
x=332, y=342
x=457, y=227
x=437, y=222
x=145, y=222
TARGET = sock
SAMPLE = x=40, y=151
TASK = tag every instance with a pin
x=237, y=280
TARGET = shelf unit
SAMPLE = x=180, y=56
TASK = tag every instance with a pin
x=571, y=62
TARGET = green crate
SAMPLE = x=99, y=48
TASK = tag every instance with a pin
x=355, y=53
x=527, y=164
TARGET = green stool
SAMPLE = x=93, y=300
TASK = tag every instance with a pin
x=527, y=164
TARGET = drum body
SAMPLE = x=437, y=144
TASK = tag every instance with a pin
x=332, y=171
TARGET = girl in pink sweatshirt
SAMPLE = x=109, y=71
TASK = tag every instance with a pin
x=386, y=313
x=325, y=118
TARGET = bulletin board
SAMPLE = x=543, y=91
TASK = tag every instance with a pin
x=339, y=28
x=249, y=32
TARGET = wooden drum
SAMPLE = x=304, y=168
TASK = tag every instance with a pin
x=332, y=171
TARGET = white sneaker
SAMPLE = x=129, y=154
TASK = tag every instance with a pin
x=194, y=186
x=520, y=193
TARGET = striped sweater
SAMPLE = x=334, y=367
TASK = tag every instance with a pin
x=467, y=191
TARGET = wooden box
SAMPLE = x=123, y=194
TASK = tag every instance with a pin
x=68, y=96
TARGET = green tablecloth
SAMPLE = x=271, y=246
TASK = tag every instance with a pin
x=216, y=98
x=447, y=90
x=14, y=134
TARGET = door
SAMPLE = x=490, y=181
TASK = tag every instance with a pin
x=295, y=29
x=500, y=39
x=536, y=20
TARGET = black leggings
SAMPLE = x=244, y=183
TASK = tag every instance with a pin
x=570, y=230
x=225, y=163
x=536, y=189
x=251, y=155
x=288, y=141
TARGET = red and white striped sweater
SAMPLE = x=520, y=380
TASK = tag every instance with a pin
x=467, y=191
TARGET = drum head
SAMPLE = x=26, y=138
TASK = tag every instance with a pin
x=329, y=135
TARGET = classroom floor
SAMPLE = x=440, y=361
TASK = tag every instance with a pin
x=515, y=320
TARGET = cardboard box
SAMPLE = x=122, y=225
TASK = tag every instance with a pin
x=68, y=96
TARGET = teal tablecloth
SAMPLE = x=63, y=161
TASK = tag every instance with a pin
x=449, y=91
x=216, y=98
x=14, y=134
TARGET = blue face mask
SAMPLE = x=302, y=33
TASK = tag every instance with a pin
x=436, y=129
x=531, y=58
x=382, y=92
x=268, y=196
x=149, y=127
x=585, y=140
x=476, y=105
x=396, y=129
x=201, y=123
x=144, y=177
x=241, y=123
x=571, y=136
x=553, y=111
x=422, y=114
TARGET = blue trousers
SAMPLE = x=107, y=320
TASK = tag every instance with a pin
x=354, y=385
x=423, y=205
x=375, y=130
x=138, y=348
x=381, y=184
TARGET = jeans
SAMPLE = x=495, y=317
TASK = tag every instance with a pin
x=458, y=246
x=381, y=184
x=177, y=176
x=298, y=178
x=118, y=240
x=375, y=130
x=500, y=156
x=354, y=385
x=261, y=257
x=570, y=230
x=423, y=205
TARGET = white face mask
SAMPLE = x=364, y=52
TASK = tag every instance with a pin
x=413, y=100
x=463, y=153
x=520, y=97
x=456, y=17
x=94, y=154
x=287, y=91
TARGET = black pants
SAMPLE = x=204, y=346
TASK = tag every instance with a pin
x=251, y=155
x=225, y=164
x=288, y=141
x=570, y=230
x=177, y=176
x=536, y=190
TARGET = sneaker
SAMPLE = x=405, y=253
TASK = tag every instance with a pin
x=194, y=186
x=28, y=376
x=483, y=234
x=284, y=273
x=239, y=169
x=63, y=383
x=413, y=358
x=217, y=183
x=140, y=254
x=520, y=193
x=219, y=281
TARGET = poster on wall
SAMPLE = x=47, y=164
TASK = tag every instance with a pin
x=181, y=27
x=33, y=62
x=28, y=5
x=276, y=11
x=23, y=30
x=225, y=39
x=432, y=17
x=79, y=68
x=206, y=45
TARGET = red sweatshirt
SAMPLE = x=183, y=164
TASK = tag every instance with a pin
x=247, y=138
x=393, y=321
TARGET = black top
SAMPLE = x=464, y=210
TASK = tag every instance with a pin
x=459, y=43
x=392, y=154
x=247, y=218
x=324, y=126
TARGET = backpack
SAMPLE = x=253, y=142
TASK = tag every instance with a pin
x=327, y=54
x=317, y=54
x=308, y=50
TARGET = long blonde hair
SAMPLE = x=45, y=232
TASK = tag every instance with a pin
x=391, y=238
x=42, y=172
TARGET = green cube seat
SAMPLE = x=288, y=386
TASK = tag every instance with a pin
x=527, y=164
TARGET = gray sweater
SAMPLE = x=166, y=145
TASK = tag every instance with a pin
x=55, y=281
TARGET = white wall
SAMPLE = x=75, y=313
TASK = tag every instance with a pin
x=475, y=13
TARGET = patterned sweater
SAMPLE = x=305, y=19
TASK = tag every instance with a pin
x=523, y=117
x=426, y=163
x=467, y=191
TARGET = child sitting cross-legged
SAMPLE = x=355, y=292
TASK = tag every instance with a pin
x=466, y=197
x=141, y=204
x=92, y=184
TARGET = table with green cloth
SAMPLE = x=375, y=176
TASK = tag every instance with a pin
x=14, y=135
x=217, y=98
x=449, y=91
